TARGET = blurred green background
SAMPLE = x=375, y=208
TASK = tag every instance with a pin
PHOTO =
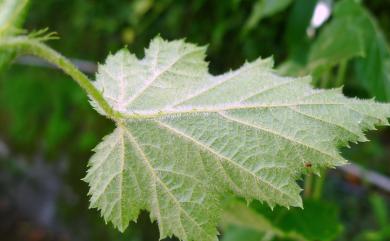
x=48, y=128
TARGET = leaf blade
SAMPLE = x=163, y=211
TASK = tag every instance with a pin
x=191, y=137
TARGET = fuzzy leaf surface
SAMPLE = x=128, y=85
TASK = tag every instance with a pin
x=184, y=137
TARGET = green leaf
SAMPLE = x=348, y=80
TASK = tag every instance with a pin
x=264, y=8
x=373, y=71
x=317, y=221
x=237, y=214
x=339, y=41
x=184, y=137
x=239, y=234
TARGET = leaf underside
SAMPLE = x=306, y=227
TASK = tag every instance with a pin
x=185, y=137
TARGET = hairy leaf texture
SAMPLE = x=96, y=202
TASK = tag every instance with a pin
x=185, y=137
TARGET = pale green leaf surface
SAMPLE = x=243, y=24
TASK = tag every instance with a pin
x=186, y=137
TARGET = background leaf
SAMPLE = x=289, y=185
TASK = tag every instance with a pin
x=262, y=9
x=373, y=70
x=327, y=52
x=317, y=221
x=237, y=234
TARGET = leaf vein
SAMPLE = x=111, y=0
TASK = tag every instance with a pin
x=157, y=178
x=220, y=156
x=257, y=126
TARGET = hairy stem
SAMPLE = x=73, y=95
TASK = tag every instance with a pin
x=319, y=185
x=341, y=73
x=24, y=45
x=308, y=185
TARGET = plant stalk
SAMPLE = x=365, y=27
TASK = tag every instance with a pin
x=24, y=45
x=341, y=73
x=308, y=185
x=319, y=185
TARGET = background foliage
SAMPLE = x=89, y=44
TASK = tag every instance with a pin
x=48, y=127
